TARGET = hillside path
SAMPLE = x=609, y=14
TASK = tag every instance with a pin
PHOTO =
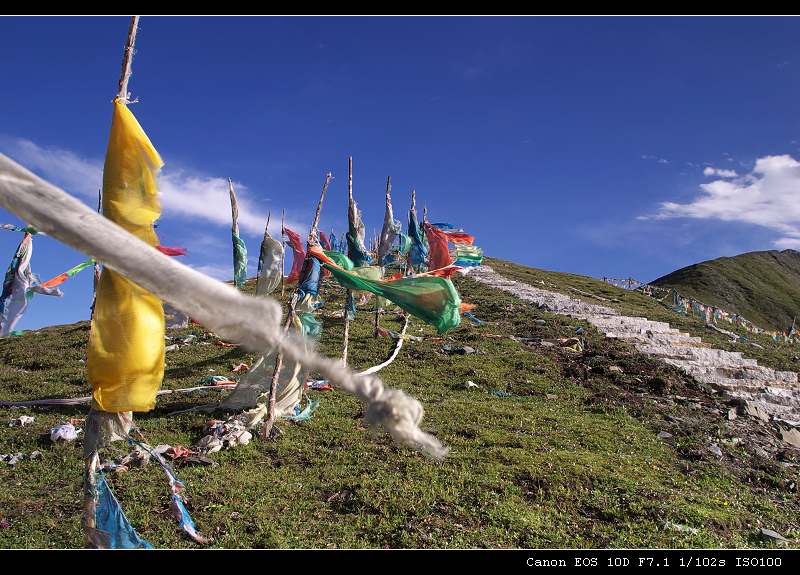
x=767, y=393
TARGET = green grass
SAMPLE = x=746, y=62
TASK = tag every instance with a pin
x=571, y=459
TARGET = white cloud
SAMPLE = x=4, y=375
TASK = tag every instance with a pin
x=187, y=195
x=68, y=170
x=217, y=271
x=788, y=243
x=768, y=196
x=183, y=193
x=722, y=173
x=655, y=159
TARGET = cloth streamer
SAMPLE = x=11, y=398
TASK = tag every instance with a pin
x=418, y=251
x=298, y=255
x=324, y=241
x=459, y=238
x=171, y=251
x=391, y=228
x=432, y=299
x=239, y=260
x=340, y=259
x=239, y=247
x=125, y=357
x=270, y=265
x=326, y=244
x=111, y=529
x=439, y=255
x=356, y=250
x=60, y=279
x=17, y=287
x=404, y=243
x=468, y=256
x=13, y=228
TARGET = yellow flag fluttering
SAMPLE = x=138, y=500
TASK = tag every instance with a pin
x=125, y=363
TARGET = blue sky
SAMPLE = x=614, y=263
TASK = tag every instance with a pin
x=605, y=146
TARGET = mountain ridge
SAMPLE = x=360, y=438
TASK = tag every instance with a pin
x=762, y=286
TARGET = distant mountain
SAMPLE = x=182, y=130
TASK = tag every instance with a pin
x=764, y=287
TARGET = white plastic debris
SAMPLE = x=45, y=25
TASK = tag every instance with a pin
x=161, y=449
x=209, y=444
x=64, y=432
x=13, y=458
x=679, y=527
x=21, y=421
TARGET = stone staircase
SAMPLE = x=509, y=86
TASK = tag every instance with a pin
x=777, y=393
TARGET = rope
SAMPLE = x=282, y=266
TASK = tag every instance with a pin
x=397, y=348
x=82, y=400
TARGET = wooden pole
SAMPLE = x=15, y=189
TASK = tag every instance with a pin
x=313, y=234
x=92, y=460
x=381, y=255
x=283, y=241
x=349, y=293
x=127, y=61
x=273, y=385
x=96, y=268
x=409, y=265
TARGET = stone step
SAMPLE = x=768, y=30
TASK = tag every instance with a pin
x=655, y=341
x=756, y=373
x=674, y=338
x=775, y=409
x=704, y=354
x=731, y=384
x=623, y=323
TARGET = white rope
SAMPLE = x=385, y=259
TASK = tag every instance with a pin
x=253, y=322
x=87, y=399
x=397, y=348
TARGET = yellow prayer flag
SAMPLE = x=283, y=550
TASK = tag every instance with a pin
x=125, y=363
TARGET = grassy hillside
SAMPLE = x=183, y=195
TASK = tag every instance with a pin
x=764, y=287
x=570, y=458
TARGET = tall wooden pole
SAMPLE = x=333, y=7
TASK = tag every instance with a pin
x=283, y=258
x=96, y=269
x=380, y=253
x=409, y=265
x=92, y=460
x=273, y=385
x=127, y=60
x=349, y=293
x=313, y=234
